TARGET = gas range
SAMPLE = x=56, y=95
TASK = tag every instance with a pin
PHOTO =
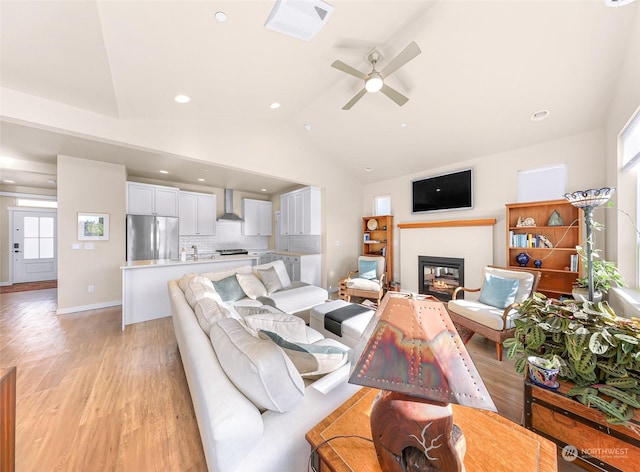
x=232, y=252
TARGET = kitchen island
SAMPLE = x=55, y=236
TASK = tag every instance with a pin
x=144, y=283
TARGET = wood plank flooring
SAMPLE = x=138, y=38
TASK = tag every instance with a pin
x=92, y=397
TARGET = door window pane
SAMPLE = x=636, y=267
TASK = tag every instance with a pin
x=31, y=227
x=46, y=248
x=31, y=248
x=46, y=227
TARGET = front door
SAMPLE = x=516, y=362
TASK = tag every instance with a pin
x=34, y=246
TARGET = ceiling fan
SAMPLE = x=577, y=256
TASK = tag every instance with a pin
x=374, y=80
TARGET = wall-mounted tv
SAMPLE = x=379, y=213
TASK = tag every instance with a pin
x=452, y=191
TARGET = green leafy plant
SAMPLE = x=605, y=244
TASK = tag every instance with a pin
x=605, y=273
x=597, y=351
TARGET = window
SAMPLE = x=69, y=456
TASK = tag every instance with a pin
x=38, y=237
x=630, y=142
x=30, y=202
x=382, y=205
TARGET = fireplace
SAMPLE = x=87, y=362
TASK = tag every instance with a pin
x=439, y=276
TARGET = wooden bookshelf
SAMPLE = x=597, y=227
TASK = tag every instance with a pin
x=379, y=241
x=557, y=276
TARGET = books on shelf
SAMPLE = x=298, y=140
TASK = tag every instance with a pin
x=529, y=240
x=573, y=263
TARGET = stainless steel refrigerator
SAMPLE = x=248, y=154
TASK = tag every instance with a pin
x=152, y=237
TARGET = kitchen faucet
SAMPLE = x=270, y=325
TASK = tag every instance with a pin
x=195, y=251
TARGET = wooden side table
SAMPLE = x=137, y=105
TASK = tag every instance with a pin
x=493, y=442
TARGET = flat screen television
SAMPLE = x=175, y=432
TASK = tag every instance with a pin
x=452, y=191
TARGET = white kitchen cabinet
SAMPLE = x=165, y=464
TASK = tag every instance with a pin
x=197, y=214
x=257, y=217
x=300, y=212
x=146, y=199
x=301, y=267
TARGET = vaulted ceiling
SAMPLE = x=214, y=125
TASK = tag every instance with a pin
x=485, y=68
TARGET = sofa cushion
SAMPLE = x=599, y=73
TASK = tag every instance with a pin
x=251, y=285
x=498, y=291
x=199, y=287
x=229, y=289
x=270, y=279
x=311, y=360
x=257, y=367
x=209, y=311
x=290, y=327
x=281, y=270
x=185, y=281
x=299, y=296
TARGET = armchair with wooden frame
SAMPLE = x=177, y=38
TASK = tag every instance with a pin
x=368, y=280
x=492, y=315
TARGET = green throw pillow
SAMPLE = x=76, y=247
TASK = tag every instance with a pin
x=229, y=289
x=498, y=291
x=368, y=269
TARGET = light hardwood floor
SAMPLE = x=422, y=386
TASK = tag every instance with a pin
x=92, y=397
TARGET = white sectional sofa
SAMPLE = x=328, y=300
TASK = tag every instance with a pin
x=235, y=406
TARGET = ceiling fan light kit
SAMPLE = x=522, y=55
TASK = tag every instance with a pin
x=374, y=80
x=301, y=19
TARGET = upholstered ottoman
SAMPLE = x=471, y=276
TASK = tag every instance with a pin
x=352, y=328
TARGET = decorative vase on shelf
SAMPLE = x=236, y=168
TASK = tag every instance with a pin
x=537, y=263
x=522, y=259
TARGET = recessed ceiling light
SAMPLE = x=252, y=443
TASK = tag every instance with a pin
x=263, y=189
x=182, y=98
x=540, y=115
x=617, y=3
x=368, y=169
x=307, y=126
x=51, y=181
x=220, y=16
x=200, y=179
x=403, y=125
x=274, y=106
x=164, y=171
x=7, y=181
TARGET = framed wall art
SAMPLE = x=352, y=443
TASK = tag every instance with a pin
x=93, y=227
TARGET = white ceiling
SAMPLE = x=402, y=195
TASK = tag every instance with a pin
x=485, y=68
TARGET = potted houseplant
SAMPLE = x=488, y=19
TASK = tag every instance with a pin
x=605, y=275
x=596, y=350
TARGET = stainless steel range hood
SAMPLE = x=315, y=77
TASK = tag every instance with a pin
x=229, y=215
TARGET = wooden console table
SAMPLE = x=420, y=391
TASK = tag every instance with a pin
x=486, y=434
x=566, y=421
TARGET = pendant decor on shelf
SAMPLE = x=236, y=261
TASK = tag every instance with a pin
x=522, y=259
x=555, y=219
x=537, y=263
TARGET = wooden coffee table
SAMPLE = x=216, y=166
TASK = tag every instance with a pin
x=486, y=435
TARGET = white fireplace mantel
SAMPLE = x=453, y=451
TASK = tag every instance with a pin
x=471, y=240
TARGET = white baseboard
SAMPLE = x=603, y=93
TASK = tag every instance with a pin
x=95, y=306
x=5, y=284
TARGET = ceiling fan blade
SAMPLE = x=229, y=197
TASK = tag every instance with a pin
x=394, y=95
x=408, y=53
x=348, y=69
x=353, y=101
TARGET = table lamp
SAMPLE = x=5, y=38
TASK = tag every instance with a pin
x=413, y=353
x=588, y=200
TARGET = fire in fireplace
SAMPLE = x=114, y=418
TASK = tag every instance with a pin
x=439, y=276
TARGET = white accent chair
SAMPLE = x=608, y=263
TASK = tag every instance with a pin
x=362, y=283
x=507, y=289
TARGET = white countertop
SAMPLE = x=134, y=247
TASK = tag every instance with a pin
x=201, y=260
x=294, y=253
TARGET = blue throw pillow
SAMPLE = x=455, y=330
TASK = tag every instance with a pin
x=368, y=269
x=229, y=289
x=498, y=291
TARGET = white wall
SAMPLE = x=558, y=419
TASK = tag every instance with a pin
x=496, y=184
x=90, y=187
x=621, y=246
